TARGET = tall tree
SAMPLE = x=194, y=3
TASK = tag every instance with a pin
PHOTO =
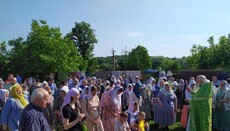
x=3, y=59
x=139, y=59
x=84, y=38
x=45, y=51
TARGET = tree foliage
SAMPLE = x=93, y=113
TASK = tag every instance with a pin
x=214, y=56
x=84, y=38
x=45, y=51
x=139, y=59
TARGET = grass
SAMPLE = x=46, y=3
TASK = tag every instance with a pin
x=175, y=127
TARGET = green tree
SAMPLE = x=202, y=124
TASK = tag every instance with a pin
x=212, y=57
x=172, y=65
x=16, y=55
x=3, y=60
x=84, y=39
x=45, y=51
x=139, y=59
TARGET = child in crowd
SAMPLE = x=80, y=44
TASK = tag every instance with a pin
x=121, y=124
x=140, y=124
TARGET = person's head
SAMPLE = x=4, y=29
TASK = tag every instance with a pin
x=111, y=83
x=84, y=82
x=16, y=91
x=86, y=90
x=63, y=91
x=162, y=83
x=130, y=87
x=72, y=96
x=44, y=84
x=228, y=80
x=10, y=77
x=200, y=80
x=135, y=106
x=24, y=87
x=14, y=80
x=181, y=82
x=1, y=81
x=191, y=78
x=117, y=90
x=223, y=84
x=164, y=79
x=137, y=79
x=123, y=117
x=99, y=81
x=172, y=79
x=93, y=90
x=51, y=80
x=167, y=87
x=48, y=89
x=120, y=90
x=75, y=81
x=40, y=97
x=62, y=83
x=192, y=84
x=153, y=82
x=214, y=78
x=107, y=83
x=141, y=115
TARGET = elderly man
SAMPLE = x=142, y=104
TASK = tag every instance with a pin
x=201, y=105
x=32, y=118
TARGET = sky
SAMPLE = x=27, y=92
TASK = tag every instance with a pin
x=165, y=27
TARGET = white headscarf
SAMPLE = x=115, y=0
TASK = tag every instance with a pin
x=67, y=98
x=131, y=107
x=127, y=89
x=116, y=99
x=83, y=93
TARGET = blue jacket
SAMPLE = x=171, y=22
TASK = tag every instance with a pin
x=11, y=114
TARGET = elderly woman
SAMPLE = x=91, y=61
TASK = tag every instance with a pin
x=146, y=101
x=125, y=100
x=71, y=115
x=167, y=105
x=111, y=107
x=135, y=95
x=222, y=107
x=180, y=93
x=90, y=107
x=58, y=104
x=13, y=108
x=132, y=112
x=26, y=92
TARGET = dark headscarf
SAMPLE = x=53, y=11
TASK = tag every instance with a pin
x=136, y=89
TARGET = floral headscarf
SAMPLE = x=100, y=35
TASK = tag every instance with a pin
x=115, y=97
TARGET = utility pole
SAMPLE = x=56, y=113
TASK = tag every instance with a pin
x=113, y=61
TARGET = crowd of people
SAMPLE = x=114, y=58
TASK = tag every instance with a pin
x=118, y=103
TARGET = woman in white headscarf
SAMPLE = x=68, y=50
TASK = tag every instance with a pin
x=90, y=107
x=112, y=107
x=125, y=100
x=71, y=115
x=167, y=106
x=146, y=101
x=222, y=108
x=132, y=112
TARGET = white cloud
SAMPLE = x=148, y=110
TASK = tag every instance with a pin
x=135, y=34
x=194, y=37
